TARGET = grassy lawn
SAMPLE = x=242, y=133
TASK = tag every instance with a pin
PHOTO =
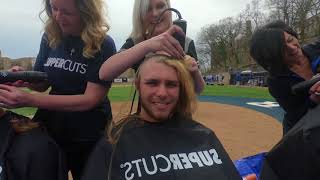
x=237, y=91
x=121, y=93
x=125, y=93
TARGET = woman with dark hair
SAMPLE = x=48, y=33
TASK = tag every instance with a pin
x=27, y=152
x=72, y=49
x=276, y=48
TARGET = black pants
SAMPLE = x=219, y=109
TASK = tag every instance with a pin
x=76, y=149
x=76, y=156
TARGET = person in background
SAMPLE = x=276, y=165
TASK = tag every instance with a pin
x=276, y=48
x=73, y=48
x=162, y=141
x=147, y=36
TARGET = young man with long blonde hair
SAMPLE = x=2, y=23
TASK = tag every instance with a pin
x=162, y=141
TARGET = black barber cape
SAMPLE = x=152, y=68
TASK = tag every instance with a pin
x=29, y=156
x=297, y=155
x=176, y=149
x=6, y=134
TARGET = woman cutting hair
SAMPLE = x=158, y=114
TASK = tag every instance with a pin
x=276, y=48
x=72, y=49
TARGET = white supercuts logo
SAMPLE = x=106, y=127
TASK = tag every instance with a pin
x=67, y=65
x=172, y=161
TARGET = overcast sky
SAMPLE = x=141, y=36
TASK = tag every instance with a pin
x=21, y=28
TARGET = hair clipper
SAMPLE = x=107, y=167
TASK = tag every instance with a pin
x=181, y=38
x=305, y=85
x=27, y=76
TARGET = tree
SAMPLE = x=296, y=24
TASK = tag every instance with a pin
x=225, y=45
x=282, y=10
x=254, y=13
x=295, y=13
x=206, y=47
x=217, y=44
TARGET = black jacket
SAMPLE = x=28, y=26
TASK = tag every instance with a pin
x=296, y=156
x=176, y=149
x=32, y=155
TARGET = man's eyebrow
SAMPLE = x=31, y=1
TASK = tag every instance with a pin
x=175, y=80
x=155, y=79
x=172, y=81
x=150, y=80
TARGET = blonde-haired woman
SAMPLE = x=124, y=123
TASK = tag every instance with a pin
x=24, y=146
x=150, y=35
x=162, y=141
x=73, y=48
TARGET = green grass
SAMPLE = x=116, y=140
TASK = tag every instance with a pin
x=125, y=93
x=237, y=91
x=121, y=93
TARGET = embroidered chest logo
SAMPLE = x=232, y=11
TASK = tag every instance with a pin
x=161, y=163
x=66, y=65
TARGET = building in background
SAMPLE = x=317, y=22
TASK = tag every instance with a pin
x=7, y=63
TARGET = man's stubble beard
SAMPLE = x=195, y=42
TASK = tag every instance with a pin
x=152, y=115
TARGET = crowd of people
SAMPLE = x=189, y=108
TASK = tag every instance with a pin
x=73, y=128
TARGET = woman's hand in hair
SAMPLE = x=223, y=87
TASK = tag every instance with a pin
x=192, y=64
x=193, y=68
x=166, y=42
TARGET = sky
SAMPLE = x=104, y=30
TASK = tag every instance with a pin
x=21, y=28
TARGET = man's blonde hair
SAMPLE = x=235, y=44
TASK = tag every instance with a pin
x=186, y=104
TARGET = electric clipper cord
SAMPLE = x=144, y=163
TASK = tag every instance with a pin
x=179, y=22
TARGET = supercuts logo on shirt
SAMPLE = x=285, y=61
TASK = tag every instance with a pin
x=151, y=165
x=66, y=65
